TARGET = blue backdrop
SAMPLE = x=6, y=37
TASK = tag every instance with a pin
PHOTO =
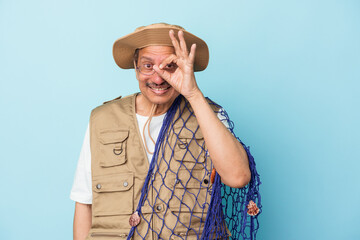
x=286, y=71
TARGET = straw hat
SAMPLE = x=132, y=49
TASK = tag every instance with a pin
x=156, y=35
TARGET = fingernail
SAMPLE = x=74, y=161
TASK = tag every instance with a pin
x=160, y=66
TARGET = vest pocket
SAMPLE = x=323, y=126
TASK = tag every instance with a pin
x=191, y=192
x=189, y=203
x=189, y=146
x=113, y=194
x=113, y=147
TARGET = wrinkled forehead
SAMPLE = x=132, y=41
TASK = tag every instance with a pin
x=154, y=52
x=157, y=49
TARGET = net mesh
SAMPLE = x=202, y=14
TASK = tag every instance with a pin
x=179, y=200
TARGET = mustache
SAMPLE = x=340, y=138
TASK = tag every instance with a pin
x=163, y=85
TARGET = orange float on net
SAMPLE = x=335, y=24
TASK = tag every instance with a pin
x=213, y=174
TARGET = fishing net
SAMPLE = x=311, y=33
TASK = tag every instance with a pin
x=183, y=197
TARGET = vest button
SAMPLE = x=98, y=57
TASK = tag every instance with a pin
x=125, y=184
x=98, y=186
x=206, y=181
x=158, y=208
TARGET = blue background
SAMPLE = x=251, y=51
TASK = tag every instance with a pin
x=286, y=71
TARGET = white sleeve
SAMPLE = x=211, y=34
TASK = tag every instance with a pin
x=222, y=118
x=81, y=190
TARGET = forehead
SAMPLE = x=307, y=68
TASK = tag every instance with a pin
x=156, y=51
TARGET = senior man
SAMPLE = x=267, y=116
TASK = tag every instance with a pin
x=150, y=161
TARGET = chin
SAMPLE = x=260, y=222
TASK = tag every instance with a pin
x=161, y=100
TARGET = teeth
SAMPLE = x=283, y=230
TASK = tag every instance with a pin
x=159, y=89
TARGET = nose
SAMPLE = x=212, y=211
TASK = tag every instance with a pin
x=157, y=79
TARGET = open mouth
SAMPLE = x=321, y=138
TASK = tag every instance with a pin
x=159, y=89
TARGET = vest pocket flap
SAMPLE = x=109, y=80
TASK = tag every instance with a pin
x=193, y=183
x=189, y=150
x=189, y=132
x=197, y=179
x=114, y=183
x=113, y=194
x=113, y=136
x=109, y=163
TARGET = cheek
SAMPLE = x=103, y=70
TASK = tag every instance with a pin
x=142, y=86
x=142, y=81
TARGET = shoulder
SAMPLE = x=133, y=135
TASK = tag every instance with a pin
x=215, y=107
x=112, y=100
x=108, y=106
x=221, y=113
x=185, y=106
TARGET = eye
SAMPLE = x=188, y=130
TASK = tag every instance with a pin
x=147, y=66
x=171, y=67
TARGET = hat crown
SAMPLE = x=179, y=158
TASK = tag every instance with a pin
x=159, y=25
x=157, y=34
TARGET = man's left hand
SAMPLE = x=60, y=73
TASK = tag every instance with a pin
x=183, y=78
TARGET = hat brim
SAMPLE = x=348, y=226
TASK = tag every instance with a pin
x=124, y=47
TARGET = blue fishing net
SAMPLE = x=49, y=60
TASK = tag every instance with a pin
x=195, y=207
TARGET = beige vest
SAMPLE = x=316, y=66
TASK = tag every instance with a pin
x=181, y=188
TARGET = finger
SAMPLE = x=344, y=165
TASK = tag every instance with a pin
x=174, y=42
x=182, y=42
x=192, y=53
x=171, y=59
x=162, y=73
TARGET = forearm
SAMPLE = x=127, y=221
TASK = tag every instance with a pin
x=82, y=221
x=227, y=154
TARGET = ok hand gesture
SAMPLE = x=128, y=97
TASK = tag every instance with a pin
x=183, y=78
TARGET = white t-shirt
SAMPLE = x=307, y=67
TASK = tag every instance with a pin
x=81, y=190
